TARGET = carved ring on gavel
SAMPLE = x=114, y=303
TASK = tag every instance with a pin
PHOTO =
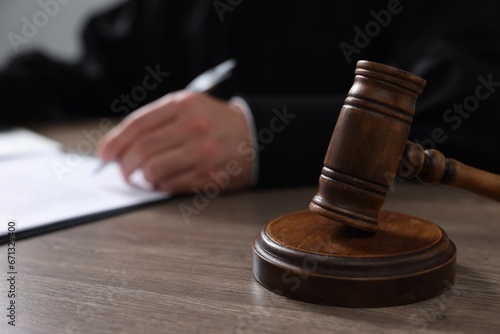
x=368, y=145
x=431, y=167
x=388, y=258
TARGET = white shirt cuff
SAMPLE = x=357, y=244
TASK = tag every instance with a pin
x=247, y=113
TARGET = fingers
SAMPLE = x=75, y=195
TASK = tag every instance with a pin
x=136, y=124
x=227, y=176
x=179, y=141
x=185, y=166
x=169, y=163
x=159, y=139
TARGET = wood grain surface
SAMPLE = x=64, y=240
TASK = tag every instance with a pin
x=152, y=271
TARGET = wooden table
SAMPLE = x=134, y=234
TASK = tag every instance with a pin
x=152, y=271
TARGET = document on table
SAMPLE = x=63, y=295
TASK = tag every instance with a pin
x=45, y=192
x=17, y=141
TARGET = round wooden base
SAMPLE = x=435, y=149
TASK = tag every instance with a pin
x=308, y=257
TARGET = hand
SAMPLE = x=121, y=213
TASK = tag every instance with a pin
x=182, y=142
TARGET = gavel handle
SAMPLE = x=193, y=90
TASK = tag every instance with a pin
x=431, y=167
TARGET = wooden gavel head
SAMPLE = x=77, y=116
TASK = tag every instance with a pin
x=367, y=145
x=409, y=259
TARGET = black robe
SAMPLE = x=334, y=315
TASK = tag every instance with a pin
x=297, y=56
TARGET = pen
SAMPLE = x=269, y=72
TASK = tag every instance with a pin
x=203, y=83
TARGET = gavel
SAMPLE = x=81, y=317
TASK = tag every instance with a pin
x=307, y=255
x=369, y=148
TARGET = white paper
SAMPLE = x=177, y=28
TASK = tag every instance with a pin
x=50, y=188
x=17, y=141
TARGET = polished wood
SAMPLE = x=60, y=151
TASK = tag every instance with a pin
x=431, y=167
x=366, y=145
x=367, y=149
x=310, y=257
x=307, y=257
x=150, y=272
